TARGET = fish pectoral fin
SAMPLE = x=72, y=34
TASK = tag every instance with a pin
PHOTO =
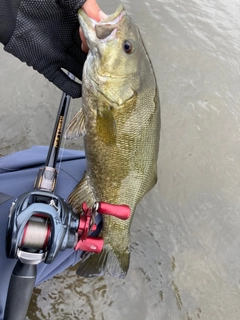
x=81, y=193
x=76, y=128
x=110, y=262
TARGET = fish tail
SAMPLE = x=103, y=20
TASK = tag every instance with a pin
x=108, y=261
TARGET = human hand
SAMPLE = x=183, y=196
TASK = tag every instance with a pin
x=46, y=37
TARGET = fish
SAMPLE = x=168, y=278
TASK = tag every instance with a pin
x=119, y=121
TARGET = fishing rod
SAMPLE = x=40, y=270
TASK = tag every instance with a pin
x=41, y=224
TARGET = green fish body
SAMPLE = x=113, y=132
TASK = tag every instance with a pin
x=120, y=123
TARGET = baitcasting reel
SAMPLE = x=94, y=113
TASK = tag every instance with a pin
x=41, y=224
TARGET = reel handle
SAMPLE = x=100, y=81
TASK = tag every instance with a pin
x=95, y=244
x=122, y=211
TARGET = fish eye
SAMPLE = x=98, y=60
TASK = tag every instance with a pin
x=127, y=46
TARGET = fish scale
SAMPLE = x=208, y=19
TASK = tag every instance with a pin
x=120, y=122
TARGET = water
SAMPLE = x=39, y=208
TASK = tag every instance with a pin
x=185, y=261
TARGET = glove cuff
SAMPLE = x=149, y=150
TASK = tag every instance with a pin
x=8, y=18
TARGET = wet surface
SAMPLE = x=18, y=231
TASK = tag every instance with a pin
x=185, y=234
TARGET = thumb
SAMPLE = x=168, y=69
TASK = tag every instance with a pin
x=93, y=10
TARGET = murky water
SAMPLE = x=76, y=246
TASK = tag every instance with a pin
x=185, y=236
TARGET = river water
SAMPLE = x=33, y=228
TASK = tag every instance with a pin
x=185, y=238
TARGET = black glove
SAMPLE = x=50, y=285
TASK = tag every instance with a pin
x=44, y=34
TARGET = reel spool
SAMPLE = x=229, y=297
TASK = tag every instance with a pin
x=37, y=233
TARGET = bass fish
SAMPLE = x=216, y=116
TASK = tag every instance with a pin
x=120, y=122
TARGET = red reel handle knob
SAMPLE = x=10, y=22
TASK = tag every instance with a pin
x=91, y=244
x=122, y=212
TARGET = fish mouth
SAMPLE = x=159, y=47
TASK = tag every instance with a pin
x=98, y=34
x=95, y=31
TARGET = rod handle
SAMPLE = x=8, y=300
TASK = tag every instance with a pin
x=20, y=291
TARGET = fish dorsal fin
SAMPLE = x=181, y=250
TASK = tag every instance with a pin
x=76, y=128
x=82, y=193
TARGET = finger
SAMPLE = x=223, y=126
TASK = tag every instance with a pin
x=92, y=9
x=64, y=83
x=84, y=45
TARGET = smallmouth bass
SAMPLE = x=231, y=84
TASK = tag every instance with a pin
x=120, y=123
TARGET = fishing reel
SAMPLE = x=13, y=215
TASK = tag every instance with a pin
x=41, y=224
